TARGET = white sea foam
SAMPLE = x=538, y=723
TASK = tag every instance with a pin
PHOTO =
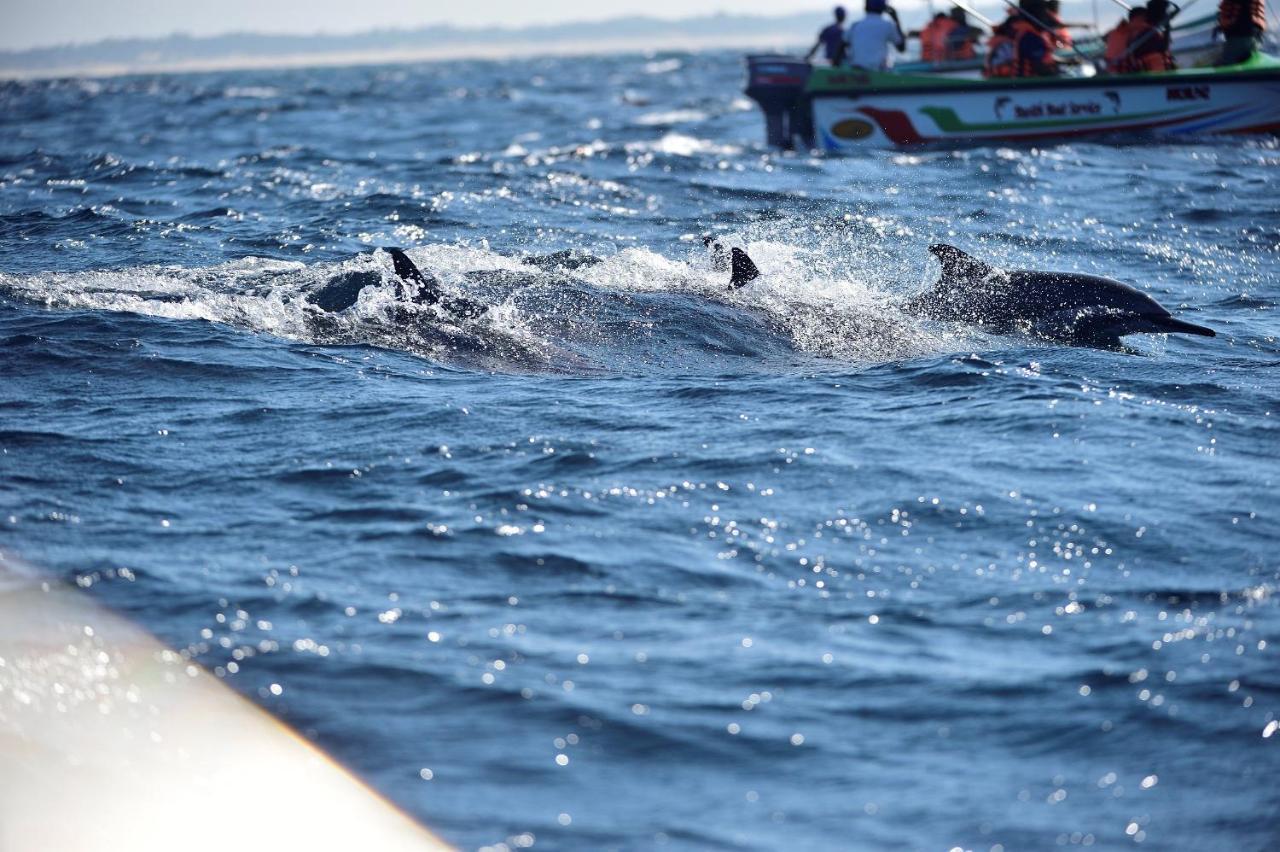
x=675, y=116
x=824, y=311
x=254, y=92
x=682, y=145
x=663, y=66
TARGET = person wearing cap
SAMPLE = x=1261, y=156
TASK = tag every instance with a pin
x=831, y=40
x=867, y=42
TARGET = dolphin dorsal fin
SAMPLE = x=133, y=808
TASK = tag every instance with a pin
x=744, y=270
x=958, y=267
x=428, y=289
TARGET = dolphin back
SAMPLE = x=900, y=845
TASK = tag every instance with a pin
x=343, y=291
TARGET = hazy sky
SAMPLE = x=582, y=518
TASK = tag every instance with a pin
x=24, y=23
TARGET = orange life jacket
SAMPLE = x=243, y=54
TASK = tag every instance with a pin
x=1025, y=68
x=1002, y=57
x=927, y=52
x=1149, y=48
x=933, y=39
x=1117, y=44
x=1238, y=17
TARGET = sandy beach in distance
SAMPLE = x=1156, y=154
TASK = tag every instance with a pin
x=393, y=56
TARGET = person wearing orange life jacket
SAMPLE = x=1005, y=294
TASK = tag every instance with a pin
x=1061, y=29
x=1116, y=52
x=1061, y=34
x=1033, y=44
x=931, y=44
x=1242, y=23
x=1002, y=54
x=962, y=38
x=1149, y=40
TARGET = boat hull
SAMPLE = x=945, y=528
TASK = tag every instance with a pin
x=879, y=111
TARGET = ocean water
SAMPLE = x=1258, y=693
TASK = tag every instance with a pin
x=634, y=561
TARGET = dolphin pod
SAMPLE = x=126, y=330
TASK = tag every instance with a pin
x=1068, y=307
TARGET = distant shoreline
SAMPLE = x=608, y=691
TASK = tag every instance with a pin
x=333, y=59
x=249, y=51
x=514, y=49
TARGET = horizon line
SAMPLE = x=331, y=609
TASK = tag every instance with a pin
x=404, y=56
x=503, y=29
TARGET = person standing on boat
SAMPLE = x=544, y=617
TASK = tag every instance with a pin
x=933, y=38
x=867, y=42
x=1242, y=23
x=1116, y=50
x=1002, y=54
x=1061, y=34
x=831, y=40
x=1149, y=40
x=1033, y=42
x=961, y=39
x=1061, y=29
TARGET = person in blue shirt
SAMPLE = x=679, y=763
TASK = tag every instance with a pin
x=868, y=41
x=831, y=40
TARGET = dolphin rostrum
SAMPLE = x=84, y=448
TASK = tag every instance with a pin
x=1070, y=307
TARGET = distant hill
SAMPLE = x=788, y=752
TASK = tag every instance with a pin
x=247, y=50
x=627, y=34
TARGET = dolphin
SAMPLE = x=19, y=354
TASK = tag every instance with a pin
x=1070, y=307
x=414, y=286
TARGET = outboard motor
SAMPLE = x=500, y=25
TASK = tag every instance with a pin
x=777, y=83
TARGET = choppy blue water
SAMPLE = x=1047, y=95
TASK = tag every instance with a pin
x=632, y=561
